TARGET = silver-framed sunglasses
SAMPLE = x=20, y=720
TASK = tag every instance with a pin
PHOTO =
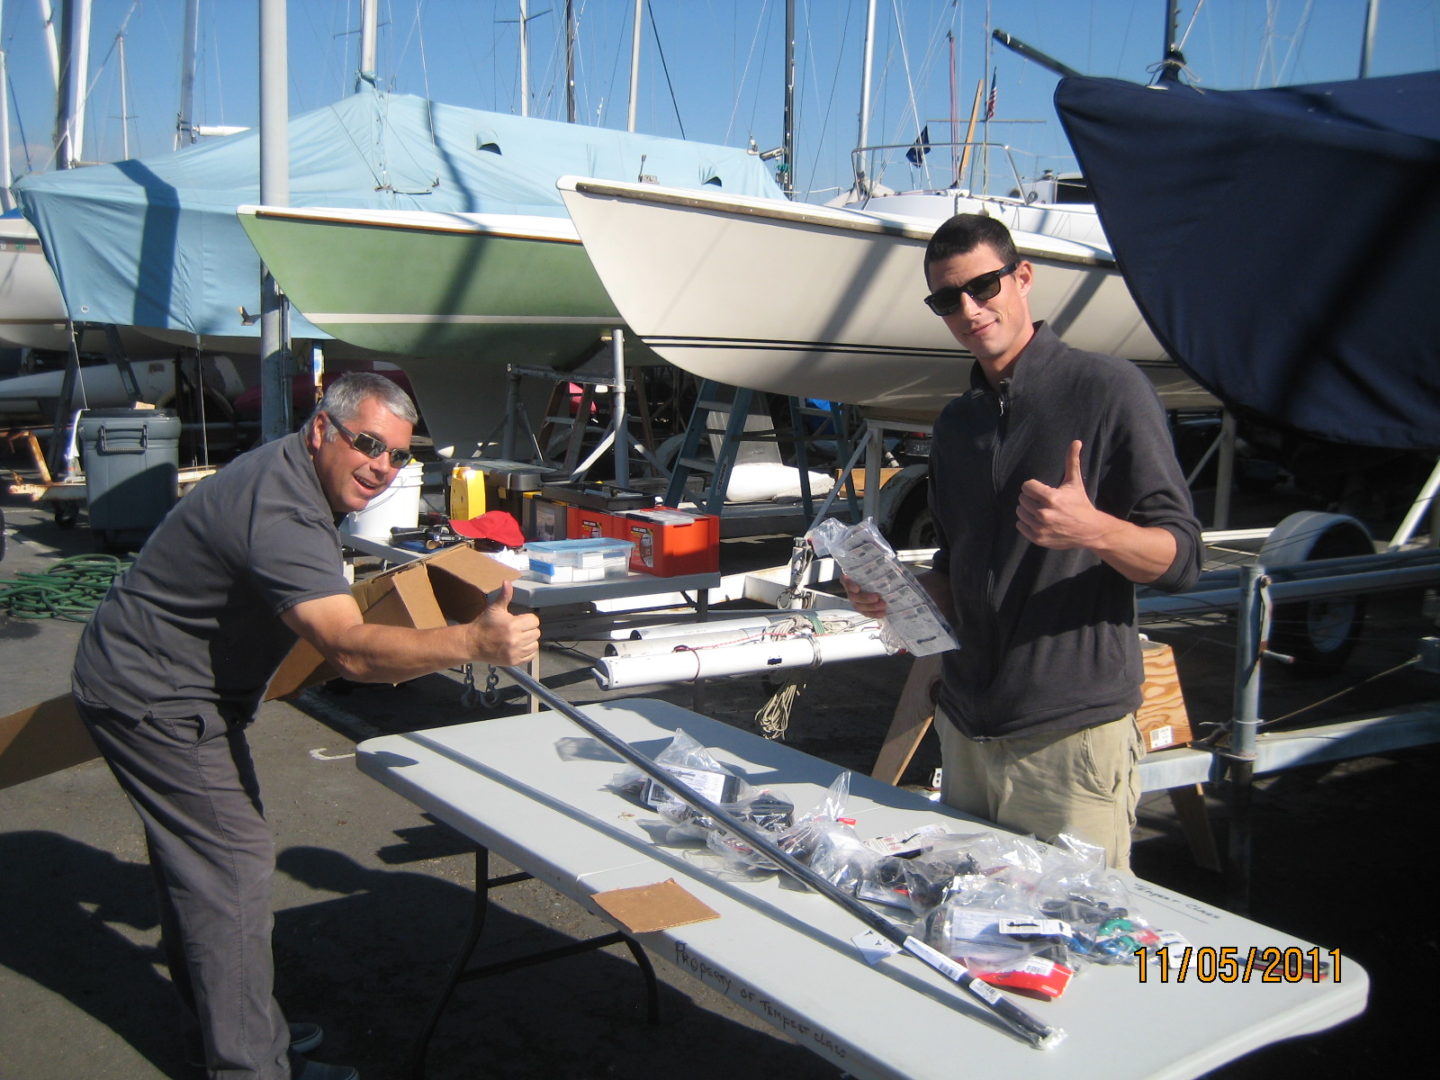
x=371, y=446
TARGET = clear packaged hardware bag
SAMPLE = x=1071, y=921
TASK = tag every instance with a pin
x=912, y=621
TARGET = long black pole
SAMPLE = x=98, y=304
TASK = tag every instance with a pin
x=1049, y=63
x=1021, y=1022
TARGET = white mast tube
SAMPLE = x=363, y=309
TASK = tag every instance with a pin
x=524, y=60
x=866, y=66
x=621, y=672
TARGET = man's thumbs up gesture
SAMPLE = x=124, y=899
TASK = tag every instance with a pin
x=1060, y=517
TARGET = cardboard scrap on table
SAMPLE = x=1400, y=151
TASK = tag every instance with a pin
x=645, y=908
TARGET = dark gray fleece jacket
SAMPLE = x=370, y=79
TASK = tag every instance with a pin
x=1047, y=638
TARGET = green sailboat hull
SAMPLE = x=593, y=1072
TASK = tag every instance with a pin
x=438, y=286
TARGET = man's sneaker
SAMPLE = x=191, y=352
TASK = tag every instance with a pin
x=305, y=1037
x=304, y=1069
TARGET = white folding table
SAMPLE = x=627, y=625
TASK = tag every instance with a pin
x=787, y=954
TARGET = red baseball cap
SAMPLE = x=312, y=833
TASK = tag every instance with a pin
x=495, y=525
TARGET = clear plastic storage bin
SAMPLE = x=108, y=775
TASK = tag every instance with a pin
x=592, y=559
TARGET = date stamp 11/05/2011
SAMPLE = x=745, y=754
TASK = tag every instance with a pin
x=1232, y=964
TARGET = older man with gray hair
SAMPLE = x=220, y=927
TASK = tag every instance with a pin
x=175, y=662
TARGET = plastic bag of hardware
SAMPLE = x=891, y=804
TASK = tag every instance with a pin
x=912, y=621
x=690, y=763
x=1054, y=901
x=766, y=810
x=978, y=937
x=1094, y=902
x=799, y=839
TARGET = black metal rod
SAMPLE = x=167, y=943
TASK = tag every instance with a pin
x=1018, y=1020
x=1032, y=53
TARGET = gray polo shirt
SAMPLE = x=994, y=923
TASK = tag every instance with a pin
x=193, y=628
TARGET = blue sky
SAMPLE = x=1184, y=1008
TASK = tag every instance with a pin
x=716, y=74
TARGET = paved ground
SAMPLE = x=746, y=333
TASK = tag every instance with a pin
x=371, y=896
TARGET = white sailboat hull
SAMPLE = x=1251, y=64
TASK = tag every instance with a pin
x=814, y=301
x=32, y=314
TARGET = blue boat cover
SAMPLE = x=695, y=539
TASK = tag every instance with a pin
x=155, y=241
x=1283, y=244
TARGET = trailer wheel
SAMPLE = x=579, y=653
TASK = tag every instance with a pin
x=66, y=514
x=912, y=526
x=916, y=530
x=1319, y=634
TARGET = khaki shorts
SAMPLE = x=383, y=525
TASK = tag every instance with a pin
x=1083, y=783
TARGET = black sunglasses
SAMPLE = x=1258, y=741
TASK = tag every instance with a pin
x=946, y=301
x=372, y=447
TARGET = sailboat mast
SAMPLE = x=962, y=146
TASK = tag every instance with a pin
x=124, y=99
x=185, y=122
x=1172, y=60
x=524, y=58
x=7, y=201
x=1372, y=16
x=634, y=68
x=788, y=186
x=52, y=50
x=275, y=396
x=954, y=116
x=570, y=61
x=369, y=31
x=866, y=66
x=70, y=96
x=985, y=131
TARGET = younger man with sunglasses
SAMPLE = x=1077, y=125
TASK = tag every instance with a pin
x=1055, y=490
x=175, y=661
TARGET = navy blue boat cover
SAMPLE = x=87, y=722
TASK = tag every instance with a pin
x=1283, y=244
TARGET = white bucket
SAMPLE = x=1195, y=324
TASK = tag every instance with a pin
x=397, y=507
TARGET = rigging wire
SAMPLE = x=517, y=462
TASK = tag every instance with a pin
x=664, y=66
x=1268, y=38
x=1190, y=25
x=756, y=37
x=912, y=119
x=418, y=32
x=829, y=99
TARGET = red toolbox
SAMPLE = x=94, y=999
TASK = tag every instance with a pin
x=585, y=523
x=670, y=542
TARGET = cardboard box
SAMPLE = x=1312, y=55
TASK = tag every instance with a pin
x=887, y=473
x=450, y=585
x=1162, y=717
x=43, y=739
x=671, y=542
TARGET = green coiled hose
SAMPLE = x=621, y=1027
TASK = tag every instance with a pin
x=71, y=590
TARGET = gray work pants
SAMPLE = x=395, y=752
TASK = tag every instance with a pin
x=193, y=784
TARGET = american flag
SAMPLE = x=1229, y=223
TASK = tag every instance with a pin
x=990, y=101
